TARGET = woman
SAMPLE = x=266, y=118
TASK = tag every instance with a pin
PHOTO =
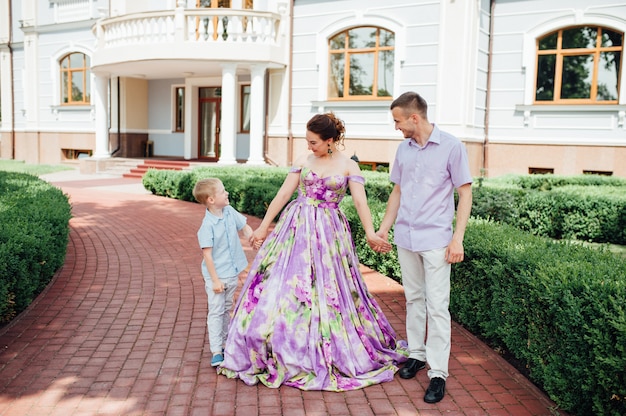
x=305, y=317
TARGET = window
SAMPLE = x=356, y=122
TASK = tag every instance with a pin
x=540, y=171
x=361, y=64
x=598, y=172
x=247, y=4
x=244, y=113
x=579, y=65
x=213, y=3
x=75, y=79
x=202, y=25
x=179, y=109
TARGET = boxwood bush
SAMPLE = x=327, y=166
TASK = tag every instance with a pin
x=558, y=307
x=33, y=239
x=585, y=207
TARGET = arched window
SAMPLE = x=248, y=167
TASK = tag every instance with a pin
x=579, y=65
x=75, y=79
x=361, y=63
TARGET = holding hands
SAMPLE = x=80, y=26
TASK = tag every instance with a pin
x=257, y=238
x=379, y=243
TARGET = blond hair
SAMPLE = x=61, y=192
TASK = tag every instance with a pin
x=206, y=188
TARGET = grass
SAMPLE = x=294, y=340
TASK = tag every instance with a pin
x=614, y=248
x=22, y=167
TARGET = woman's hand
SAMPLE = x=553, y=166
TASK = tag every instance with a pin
x=378, y=244
x=257, y=238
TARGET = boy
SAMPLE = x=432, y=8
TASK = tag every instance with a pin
x=223, y=258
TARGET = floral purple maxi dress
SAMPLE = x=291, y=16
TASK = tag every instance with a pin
x=305, y=317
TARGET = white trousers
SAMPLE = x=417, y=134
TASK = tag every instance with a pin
x=426, y=282
x=218, y=317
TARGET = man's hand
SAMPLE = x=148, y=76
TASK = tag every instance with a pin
x=378, y=243
x=455, y=252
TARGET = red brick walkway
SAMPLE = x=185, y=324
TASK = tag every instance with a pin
x=122, y=331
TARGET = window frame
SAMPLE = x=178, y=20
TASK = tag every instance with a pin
x=243, y=109
x=70, y=71
x=178, y=109
x=356, y=51
x=561, y=53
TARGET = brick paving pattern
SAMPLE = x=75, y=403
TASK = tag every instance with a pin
x=121, y=330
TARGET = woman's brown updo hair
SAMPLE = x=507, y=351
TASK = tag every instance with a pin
x=327, y=126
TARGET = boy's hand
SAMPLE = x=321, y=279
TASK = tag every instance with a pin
x=257, y=238
x=218, y=287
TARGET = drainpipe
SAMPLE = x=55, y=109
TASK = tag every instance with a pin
x=290, y=98
x=485, y=167
x=11, y=80
x=119, y=134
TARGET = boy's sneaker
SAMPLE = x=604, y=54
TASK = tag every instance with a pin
x=217, y=360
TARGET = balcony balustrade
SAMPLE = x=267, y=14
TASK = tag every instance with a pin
x=189, y=26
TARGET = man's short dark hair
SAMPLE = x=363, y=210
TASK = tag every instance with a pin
x=411, y=102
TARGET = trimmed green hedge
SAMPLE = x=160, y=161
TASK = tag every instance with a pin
x=585, y=207
x=33, y=239
x=251, y=189
x=558, y=307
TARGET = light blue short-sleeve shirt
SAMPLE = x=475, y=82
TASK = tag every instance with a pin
x=427, y=177
x=222, y=235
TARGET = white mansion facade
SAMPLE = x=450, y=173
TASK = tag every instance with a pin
x=528, y=85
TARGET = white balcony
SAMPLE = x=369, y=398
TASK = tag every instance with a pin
x=169, y=43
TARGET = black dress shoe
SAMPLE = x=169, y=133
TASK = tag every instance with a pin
x=411, y=368
x=436, y=390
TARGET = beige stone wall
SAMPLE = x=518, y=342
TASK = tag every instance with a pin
x=47, y=148
x=6, y=145
x=565, y=160
x=475, y=157
x=134, y=102
x=278, y=150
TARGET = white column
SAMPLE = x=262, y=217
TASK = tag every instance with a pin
x=228, y=112
x=6, y=91
x=31, y=86
x=257, y=101
x=102, y=131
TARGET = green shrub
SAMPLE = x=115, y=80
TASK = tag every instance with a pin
x=558, y=307
x=548, y=182
x=585, y=207
x=377, y=186
x=496, y=204
x=33, y=239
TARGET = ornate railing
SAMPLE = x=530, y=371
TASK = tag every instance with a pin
x=189, y=25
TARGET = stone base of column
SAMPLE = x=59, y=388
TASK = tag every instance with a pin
x=256, y=162
x=227, y=161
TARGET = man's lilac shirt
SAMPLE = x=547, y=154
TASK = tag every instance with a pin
x=427, y=177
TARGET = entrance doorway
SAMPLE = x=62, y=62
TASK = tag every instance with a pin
x=209, y=123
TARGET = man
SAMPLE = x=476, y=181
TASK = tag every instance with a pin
x=428, y=167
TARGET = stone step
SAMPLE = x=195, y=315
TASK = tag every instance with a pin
x=140, y=169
